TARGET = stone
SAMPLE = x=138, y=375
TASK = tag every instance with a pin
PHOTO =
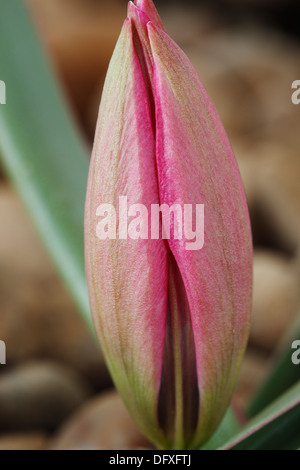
x=39, y=396
x=275, y=298
x=37, y=316
x=102, y=423
x=35, y=441
x=254, y=370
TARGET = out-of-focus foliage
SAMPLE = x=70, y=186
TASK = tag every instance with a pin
x=41, y=148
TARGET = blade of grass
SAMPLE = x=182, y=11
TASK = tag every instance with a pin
x=41, y=148
x=283, y=375
x=276, y=428
x=227, y=429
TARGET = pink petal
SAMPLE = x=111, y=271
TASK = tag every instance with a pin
x=196, y=165
x=147, y=7
x=127, y=278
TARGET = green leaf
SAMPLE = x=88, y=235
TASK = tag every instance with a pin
x=283, y=375
x=41, y=147
x=227, y=429
x=276, y=428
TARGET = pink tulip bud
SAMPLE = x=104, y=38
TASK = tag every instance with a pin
x=172, y=313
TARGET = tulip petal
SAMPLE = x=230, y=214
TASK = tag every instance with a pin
x=139, y=21
x=148, y=7
x=129, y=305
x=196, y=165
x=172, y=322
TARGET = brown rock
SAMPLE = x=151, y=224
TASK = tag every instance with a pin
x=103, y=423
x=278, y=191
x=270, y=175
x=23, y=442
x=38, y=396
x=275, y=300
x=37, y=317
x=254, y=369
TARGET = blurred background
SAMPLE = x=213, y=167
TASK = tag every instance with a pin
x=247, y=53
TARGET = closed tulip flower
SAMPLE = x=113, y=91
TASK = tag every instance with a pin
x=172, y=315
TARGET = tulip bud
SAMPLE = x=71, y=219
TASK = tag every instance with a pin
x=172, y=315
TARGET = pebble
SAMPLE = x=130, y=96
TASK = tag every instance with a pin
x=254, y=369
x=102, y=423
x=38, y=318
x=275, y=298
x=39, y=396
x=35, y=441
